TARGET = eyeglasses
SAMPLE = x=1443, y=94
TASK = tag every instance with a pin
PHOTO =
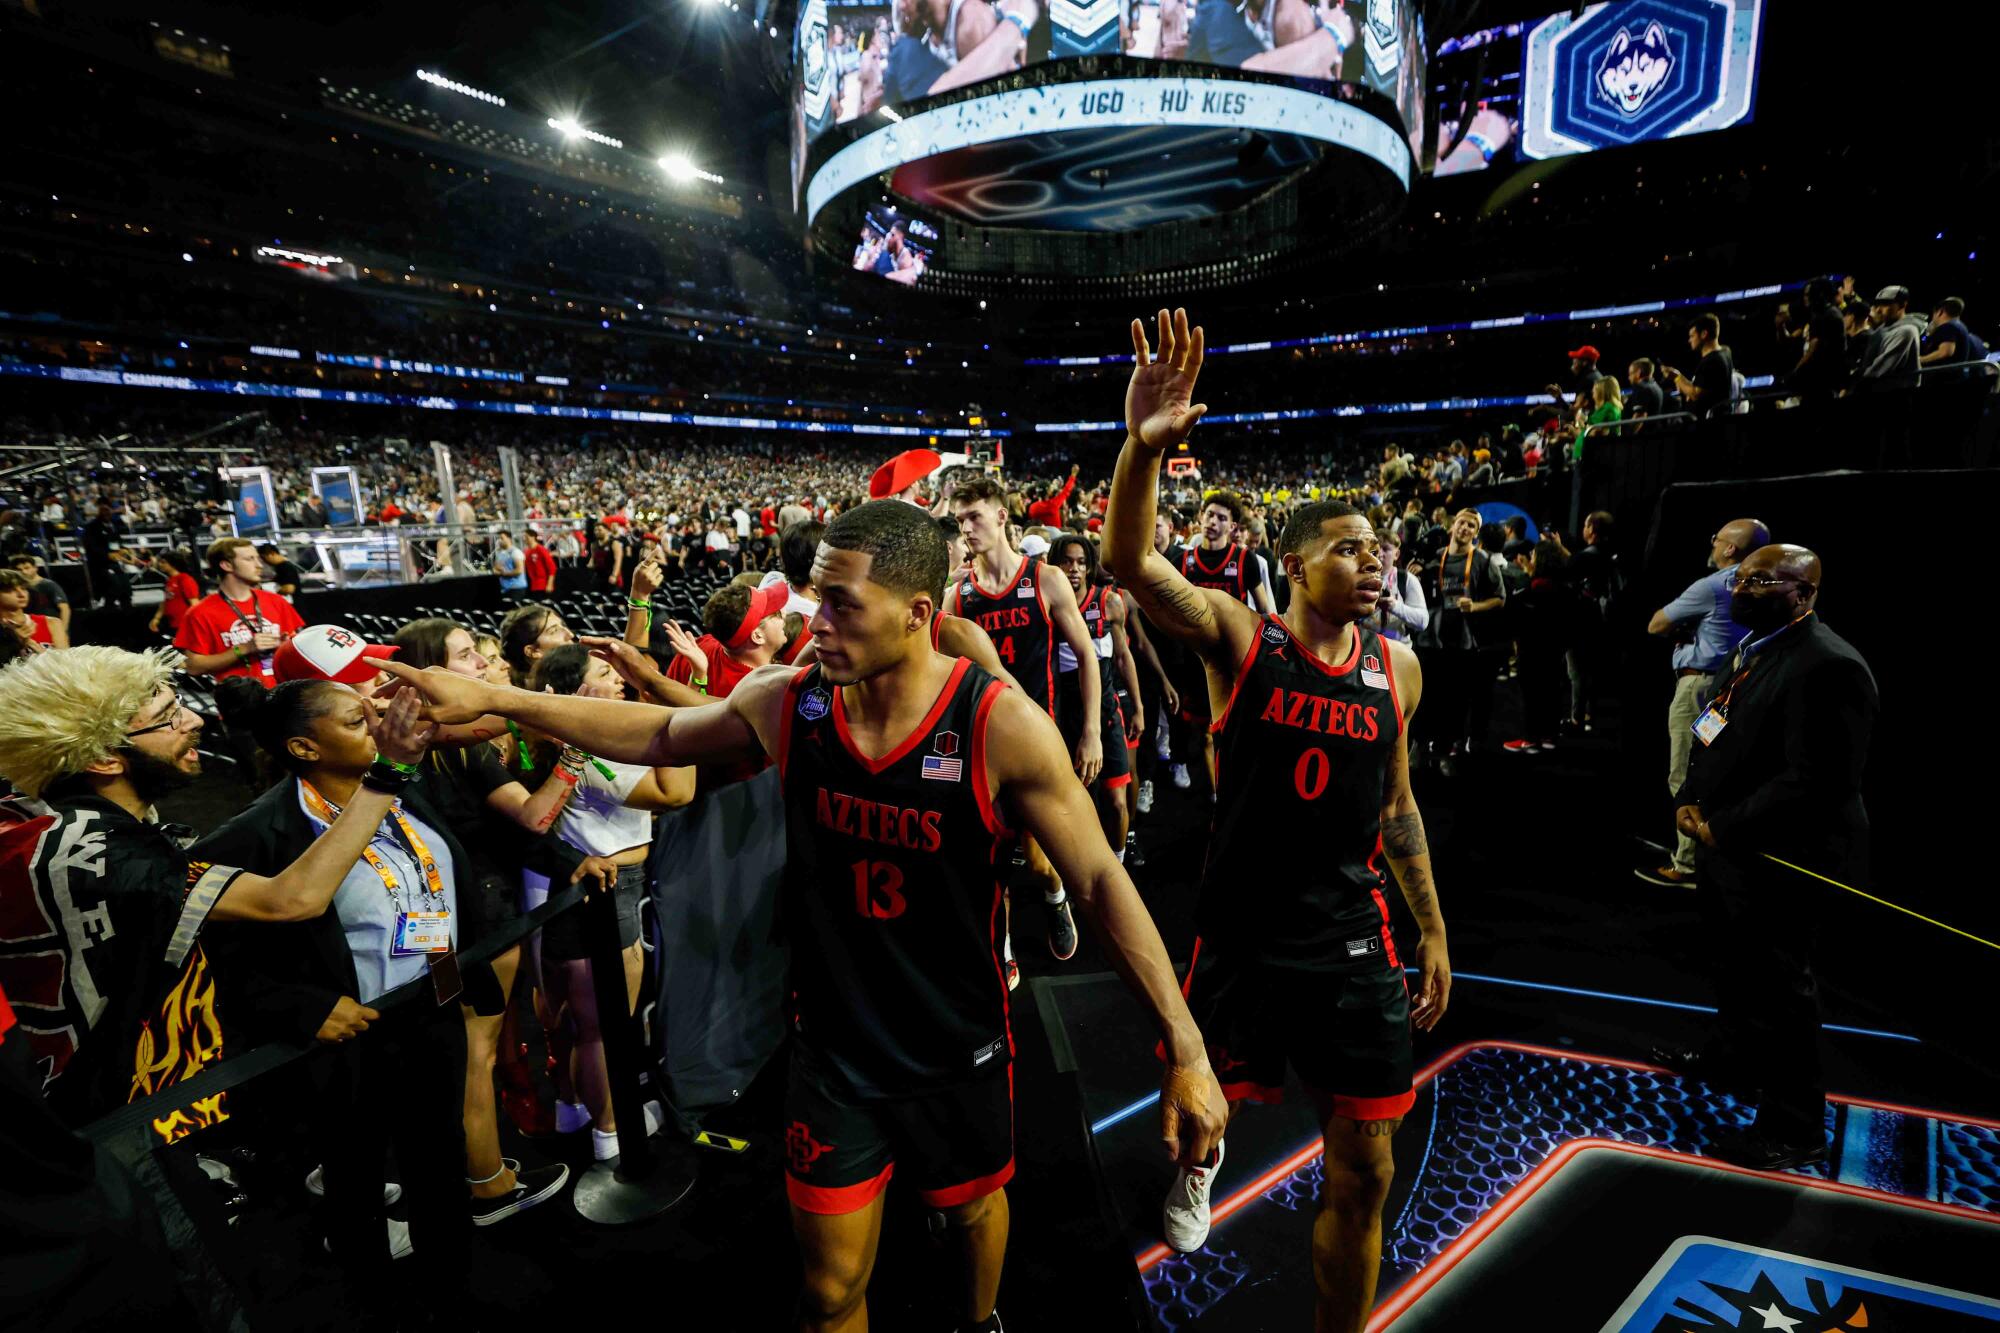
x=1763, y=580
x=173, y=722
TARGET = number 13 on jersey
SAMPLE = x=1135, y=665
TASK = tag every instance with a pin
x=878, y=889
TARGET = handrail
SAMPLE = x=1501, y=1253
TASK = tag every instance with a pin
x=1634, y=423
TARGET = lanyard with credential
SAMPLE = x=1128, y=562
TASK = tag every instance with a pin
x=1749, y=658
x=326, y=812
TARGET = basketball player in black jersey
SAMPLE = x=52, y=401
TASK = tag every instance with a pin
x=1311, y=710
x=1025, y=610
x=1220, y=561
x=1103, y=612
x=904, y=774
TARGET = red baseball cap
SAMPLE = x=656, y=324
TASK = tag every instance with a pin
x=1584, y=353
x=902, y=472
x=327, y=652
x=764, y=603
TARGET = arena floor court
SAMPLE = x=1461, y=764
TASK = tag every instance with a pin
x=1547, y=1177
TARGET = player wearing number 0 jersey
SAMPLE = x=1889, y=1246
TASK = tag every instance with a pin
x=1299, y=968
x=902, y=771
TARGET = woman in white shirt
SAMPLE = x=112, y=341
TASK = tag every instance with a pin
x=609, y=816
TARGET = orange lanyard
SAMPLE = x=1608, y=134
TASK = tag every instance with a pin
x=1721, y=701
x=326, y=812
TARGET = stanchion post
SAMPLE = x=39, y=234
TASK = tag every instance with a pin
x=650, y=1177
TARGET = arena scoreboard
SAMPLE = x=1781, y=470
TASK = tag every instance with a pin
x=1092, y=140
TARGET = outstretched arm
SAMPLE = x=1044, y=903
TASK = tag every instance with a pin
x=731, y=729
x=1409, y=853
x=1158, y=415
x=1024, y=756
x=303, y=889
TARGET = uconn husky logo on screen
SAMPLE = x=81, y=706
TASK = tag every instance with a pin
x=1632, y=71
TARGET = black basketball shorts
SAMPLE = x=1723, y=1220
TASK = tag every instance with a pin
x=1117, y=770
x=955, y=1145
x=1346, y=1031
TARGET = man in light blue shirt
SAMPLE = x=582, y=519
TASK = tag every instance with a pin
x=509, y=565
x=1705, y=636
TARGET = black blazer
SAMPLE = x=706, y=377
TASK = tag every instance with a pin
x=280, y=980
x=1784, y=776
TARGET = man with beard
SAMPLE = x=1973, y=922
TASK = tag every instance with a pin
x=953, y=43
x=1776, y=772
x=101, y=911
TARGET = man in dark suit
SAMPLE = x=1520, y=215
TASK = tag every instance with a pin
x=1776, y=772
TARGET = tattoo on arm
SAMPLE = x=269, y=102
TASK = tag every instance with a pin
x=1379, y=1129
x=1418, y=891
x=1179, y=599
x=1403, y=836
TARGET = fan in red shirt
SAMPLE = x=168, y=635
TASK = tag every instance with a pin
x=744, y=629
x=181, y=594
x=236, y=630
x=541, y=565
x=39, y=633
x=1049, y=512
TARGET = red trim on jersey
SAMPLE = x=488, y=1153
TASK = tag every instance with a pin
x=836, y=1200
x=1253, y=1092
x=1242, y=554
x=981, y=790
x=937, y=623
x=1242, y=674
x=1389, y=670
x=970, y=1190
x=972, y=577
x=1353, y=657
x=791, y=711
x=1048, y=667
x=911, y=741
x=1374, y=1108
x=1193, y=958
x=1388, y=937
x=1122, y=780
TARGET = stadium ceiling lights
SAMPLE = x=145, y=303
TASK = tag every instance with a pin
x=677, y=166
x=454, y=86
x=569, y=128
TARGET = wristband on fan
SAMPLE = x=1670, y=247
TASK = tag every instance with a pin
x=387, y=777
x=1019, y=22
x=700, y=683
x=638, y=605
x=1482, y=143
x=402, y=768
x=569, y=775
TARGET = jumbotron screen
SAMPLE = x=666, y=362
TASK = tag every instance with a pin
x=1618, y=74
x=895, y=246
x=853, y=58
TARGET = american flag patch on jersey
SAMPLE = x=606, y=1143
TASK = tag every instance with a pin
x=942, y=769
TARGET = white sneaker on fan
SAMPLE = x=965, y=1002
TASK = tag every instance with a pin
x=1146, y=797
x=1184, y=1218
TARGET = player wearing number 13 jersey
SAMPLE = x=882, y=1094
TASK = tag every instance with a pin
x=1299, y=967
x=902, y=771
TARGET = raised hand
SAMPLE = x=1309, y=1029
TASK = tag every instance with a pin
x=399, y=730
x=648, y=577
x=632, y=665
x=1158, y=413
x=686, y=645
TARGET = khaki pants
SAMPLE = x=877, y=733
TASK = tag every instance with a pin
x=1689, y=692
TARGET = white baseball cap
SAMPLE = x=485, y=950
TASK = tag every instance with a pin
x=328, y=652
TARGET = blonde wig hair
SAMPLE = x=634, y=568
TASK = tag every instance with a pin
x=63, y=710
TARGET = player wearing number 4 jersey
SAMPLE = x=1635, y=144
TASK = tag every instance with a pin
x=904, y=772
x=1311, y=710
x=1027, y=609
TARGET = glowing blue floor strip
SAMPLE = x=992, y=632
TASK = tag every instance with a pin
x=1126, y=1112
x=1658, y=1004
